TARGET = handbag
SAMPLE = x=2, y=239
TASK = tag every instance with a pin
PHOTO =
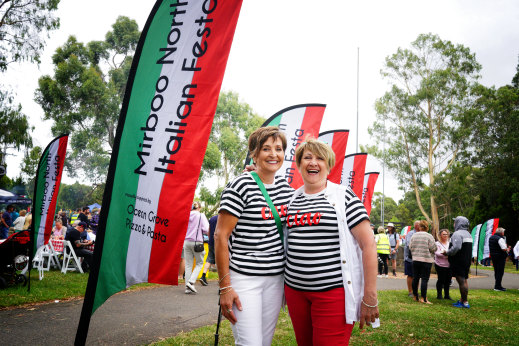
x=199, y=246
x=270, y=204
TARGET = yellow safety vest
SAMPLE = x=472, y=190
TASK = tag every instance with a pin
x=383, y=244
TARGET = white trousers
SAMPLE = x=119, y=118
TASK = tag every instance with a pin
x=189, y=255
x=261, y=298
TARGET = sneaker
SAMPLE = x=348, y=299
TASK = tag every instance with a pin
x=188, y=291
x=502, y=289
x=203, y=281
x=410, y=295
x=379, y=275
x=385, y=276
x=458, y=304
x=191, y=287
x=465, y=305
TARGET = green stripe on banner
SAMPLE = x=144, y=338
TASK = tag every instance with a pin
x=276, y=121
x=481, y=244
x=112, y=278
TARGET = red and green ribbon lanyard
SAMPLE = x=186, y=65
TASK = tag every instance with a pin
x=270, y=204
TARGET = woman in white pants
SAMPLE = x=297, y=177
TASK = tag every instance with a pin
x=198, y=224
x=248, y=247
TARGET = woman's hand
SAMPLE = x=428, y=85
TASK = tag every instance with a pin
x=226, y=302
x=368, y=314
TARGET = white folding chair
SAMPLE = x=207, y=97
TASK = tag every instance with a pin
x=54, y=255
x=41, y=260
x=70, y=260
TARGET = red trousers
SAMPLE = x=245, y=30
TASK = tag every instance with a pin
x=318, y=317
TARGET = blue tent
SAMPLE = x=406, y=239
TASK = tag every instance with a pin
x=7, y=197
x=95, y=205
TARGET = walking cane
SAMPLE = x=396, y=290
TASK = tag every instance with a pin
x=218, y=323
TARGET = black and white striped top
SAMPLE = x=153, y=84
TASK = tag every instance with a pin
x=313, y=253
x=255, y=246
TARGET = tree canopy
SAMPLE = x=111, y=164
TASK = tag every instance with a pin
x=84, y=96
x=24, y=25
x=426, y=113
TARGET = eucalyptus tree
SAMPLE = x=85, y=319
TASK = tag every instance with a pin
x=84, y=96
x=427, y=112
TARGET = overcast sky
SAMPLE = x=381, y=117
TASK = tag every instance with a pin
x=288, y=52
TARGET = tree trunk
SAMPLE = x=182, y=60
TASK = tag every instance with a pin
x=435, y=225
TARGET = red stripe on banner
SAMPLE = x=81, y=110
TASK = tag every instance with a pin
x=372, y=180
x=359, y=167
x=62, y=151
x=311, y=125
x=340, y=140
x=178, y=188
x=494, y=226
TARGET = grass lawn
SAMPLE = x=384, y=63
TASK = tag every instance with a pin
x=491, y=320
x=54, y=286
x=509, y=268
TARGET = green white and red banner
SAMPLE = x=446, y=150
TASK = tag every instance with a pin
x=46, y=190
x=370, y=179
x=337, y=139
x=487, y=230
x=353, y=170
x=297, y=123
x=405, y=230
x=161, y=139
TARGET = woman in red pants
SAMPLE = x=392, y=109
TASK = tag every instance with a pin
x=331, y=268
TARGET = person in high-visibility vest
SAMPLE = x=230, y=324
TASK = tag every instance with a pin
x=383, y=250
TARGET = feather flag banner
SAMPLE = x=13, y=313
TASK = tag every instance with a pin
x=46, y=190
x=161, y=139
x=337, y=140
x=297, y=123
x=370, y=179
x=353, y=170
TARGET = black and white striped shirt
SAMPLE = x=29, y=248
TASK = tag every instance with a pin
x=255, y=246
x=313, y=253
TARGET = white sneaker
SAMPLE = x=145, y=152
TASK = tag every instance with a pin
x=385, y=276
x=379, y=276
x=191, y=287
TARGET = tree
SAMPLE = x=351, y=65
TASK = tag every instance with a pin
x=227, y=149
x=427, y=112
x=390, y=208
x=16, y=130
x=76, y=196
x=29, y=167
x=496, y=155
x=84, y=96
x=22, y=25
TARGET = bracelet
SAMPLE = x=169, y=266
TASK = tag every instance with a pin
x=370, y=306
x=223, y=277
x=222, y=293
x=222, y=288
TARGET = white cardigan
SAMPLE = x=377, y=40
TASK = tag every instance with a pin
x=351, y=254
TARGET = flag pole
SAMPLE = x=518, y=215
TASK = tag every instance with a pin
x=357, y=134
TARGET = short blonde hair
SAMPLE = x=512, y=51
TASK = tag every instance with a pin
x=317, y=148
x=381, y=229
x=261, y=135
x=424, y=225
x=23, y=212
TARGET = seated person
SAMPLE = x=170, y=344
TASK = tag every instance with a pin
x=58, y=232
x=74, y=236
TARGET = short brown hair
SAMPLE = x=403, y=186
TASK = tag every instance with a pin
x=444, y=230
x=261, y=135
x=424, y=225
x=319, y=149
